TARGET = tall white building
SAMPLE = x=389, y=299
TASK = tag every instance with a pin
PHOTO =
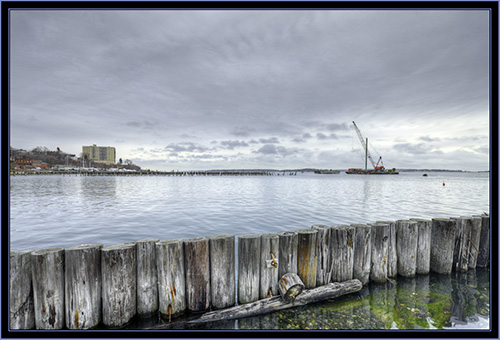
x=99, y=154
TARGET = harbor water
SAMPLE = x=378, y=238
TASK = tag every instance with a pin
x=63, y=211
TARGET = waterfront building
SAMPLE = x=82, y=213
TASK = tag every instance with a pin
x=99, y=154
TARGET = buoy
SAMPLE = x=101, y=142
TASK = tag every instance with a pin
x=443, y=184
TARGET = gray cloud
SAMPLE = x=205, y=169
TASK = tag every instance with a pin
x=272, y=140
x=231, y=144
x=185, y=147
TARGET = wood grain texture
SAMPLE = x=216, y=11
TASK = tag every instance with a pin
x=22, y=312
x=442, y=245
x=222, y=271
x=147, y=277
x=197, y=267
x=248, y=268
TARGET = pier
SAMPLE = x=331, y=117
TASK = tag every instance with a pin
x=154, y=173
x=91, y=286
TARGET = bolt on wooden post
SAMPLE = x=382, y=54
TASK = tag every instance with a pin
x=248, y=268
x=48, y=287
x=147, y=278
x=22, y=313
x=171, y=277
x=83, y=286
x=269, y=254
x=222, y=266
x=119, y=284
x=197, y=266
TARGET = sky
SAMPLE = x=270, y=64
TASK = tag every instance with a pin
x=254, y=89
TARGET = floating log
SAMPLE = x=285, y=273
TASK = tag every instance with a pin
x=423, y=245
x=83, y=286
x=324, y=267
x=119, y=284
x=171, y=277
x=330, y=291
x=392, y=259
x=442, y=245
x=406, y=246
x=197, y=267
x=307, y=259
x=380, y=252
x=290, y=286
x=22, y=313
x=475, y=239
x=222, y=267
x=342, y=252
x=147, y=277
x=48, y=287
x=362, y=253
x=287, y=262
x=269, y=254
x=483, y=259
x=248, y=268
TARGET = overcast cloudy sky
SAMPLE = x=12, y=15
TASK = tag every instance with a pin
x=213, y=89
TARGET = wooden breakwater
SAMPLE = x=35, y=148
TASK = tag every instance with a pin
x=89, y=286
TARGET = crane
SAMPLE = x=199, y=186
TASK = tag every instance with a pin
x=368, y=156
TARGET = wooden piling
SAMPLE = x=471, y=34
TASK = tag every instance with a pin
x=119, y=284
x=392, y=257
x=290, y=286
x=324, y=267
x=406, y=246
x=248, y=268
x=362, y=253
x=307, y=259
x=171, y=277
x=47, y=267
x=197, y=267
x=423, y=245
x=222, y=271
x=22, y=313
x=147, y=277
x=462, y=243
x=380, y=252
x=342, y=252
x=83, y=286
x=269, y=255
x=287, y=262
x=483, y=259
x=442, y=245
x=475, y=239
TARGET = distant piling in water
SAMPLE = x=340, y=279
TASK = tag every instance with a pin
x=85, y=286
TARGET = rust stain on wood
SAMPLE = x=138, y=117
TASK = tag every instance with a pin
x=76, y=318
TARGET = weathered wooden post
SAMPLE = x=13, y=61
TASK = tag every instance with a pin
x=362, y=253
x=380, y=252
x=269, y=255
x=197, y=266
x=307, y=259
x=147, y=277
x=324, y=268
x=290, y=286
x=22, y=313
x=462, y=245
x=423, y=245
x=171, y=277
x=222, y=267
x=392, y=259
x=483, y=259
x=83, y=286
x=475, y=239
x=119, y=284
x=406, y=246
x=342, y=252
x=47, y=267
x=248, y=268
x=287, y=262
x=442, y=245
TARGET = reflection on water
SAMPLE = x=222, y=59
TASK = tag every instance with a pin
x=426, y=302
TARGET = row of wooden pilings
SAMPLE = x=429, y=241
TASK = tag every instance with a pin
x=87, y=286
x=154, y=173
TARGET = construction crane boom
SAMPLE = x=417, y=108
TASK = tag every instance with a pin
x=365, y=146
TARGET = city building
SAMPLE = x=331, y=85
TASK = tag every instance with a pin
x=99, y=154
